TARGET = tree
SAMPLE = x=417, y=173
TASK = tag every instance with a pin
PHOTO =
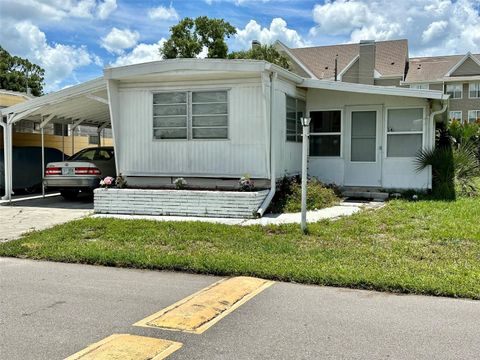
x=15, y=72
x=189, y=37
x=262, y=52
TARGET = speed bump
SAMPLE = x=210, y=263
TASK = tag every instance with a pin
x=197, y=312
x=127, y=347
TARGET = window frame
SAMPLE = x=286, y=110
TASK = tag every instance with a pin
x=470, y=85
x=189, y=114
x=471, y=111
x=386, y=132
x=451, y=95
x=418, y=86
x=455, y=111
x=340, y=156
x=299, y=127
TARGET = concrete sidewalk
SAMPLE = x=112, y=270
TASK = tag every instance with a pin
x=40, y=213
x=331, y=213
x=52, y=310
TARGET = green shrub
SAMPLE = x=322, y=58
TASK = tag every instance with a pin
x=288, y=196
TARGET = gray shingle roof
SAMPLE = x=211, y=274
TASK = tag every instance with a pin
x=432, y=68
x=390, y=58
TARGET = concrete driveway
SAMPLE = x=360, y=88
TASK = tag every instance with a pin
x=38, y=214
x=51, y=310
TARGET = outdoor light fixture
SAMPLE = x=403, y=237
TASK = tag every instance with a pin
x=306, y=129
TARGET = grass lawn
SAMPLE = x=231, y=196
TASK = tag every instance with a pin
x=424, y=247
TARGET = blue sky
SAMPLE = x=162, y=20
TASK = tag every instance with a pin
x=75, y=39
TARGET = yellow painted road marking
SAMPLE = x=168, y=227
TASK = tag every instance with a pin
x=197, y=312
x=127, y=347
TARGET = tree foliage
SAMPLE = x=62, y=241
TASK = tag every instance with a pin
x=262, y=52
x=15, y=72
x=189, y=37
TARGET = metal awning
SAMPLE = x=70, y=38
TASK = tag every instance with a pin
x=83, y=104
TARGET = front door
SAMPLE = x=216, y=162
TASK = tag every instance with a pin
x=363, y=146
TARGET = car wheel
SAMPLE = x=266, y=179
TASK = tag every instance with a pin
x=69, y=194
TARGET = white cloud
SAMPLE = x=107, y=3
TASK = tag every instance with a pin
x=141, y=53
x=163, y=13
x=59, y=60
x=434, y=31
x=431, y=26
x=277, y=30
x=106, y=8
x=118, y=40
x=57, y=10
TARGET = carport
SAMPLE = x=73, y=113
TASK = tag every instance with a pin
x=85, y=104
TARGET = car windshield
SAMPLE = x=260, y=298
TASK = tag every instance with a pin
x=93, y=154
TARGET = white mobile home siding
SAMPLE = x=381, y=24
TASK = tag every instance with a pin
x=397, y=173
x=244, y=152
x=289, y=158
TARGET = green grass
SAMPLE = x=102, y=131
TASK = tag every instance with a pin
x=424, y=247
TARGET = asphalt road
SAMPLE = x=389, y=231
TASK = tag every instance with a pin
x=52, y=310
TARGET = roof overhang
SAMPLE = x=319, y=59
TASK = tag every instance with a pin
x=373, y=89
x=197, y=65
x=297, y=61
x=87, y=101
x=462, y=60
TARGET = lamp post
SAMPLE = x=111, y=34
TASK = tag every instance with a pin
x=305, y=134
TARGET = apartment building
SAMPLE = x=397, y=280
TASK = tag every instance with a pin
x=387, y=63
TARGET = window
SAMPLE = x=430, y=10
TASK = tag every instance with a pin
x=474, y=116
x=420, y=86
x=59, y=128
x=454, y=90
x=86, y=154
x=210, y=115
x=295, y=111
x=404, y=132
x=474, y=90
x=93, y=139
x=455, y=115
x=325, y=133
x=190, y=115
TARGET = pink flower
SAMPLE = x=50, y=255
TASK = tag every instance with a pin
x=108, y=180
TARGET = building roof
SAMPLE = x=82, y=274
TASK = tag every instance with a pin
x=432, y=68
x=390, y=58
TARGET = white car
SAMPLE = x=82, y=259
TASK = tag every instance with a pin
x=80, y=172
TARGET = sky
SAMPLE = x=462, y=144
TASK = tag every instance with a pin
x=73, y=40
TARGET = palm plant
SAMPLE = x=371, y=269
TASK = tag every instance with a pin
x=454, y=168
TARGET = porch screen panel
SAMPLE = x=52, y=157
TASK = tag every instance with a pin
x=170, y=115
x=404, y=132
x=210, y=115
x=364, y=136
x=325, y=133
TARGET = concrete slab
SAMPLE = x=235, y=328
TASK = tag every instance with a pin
x=335, y=212
x=40, y=213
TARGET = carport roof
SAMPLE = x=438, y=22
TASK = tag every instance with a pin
x=86, y=102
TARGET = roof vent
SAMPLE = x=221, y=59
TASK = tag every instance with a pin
x=392, y=63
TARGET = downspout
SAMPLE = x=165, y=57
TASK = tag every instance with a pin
x=4, y=127
x=273, y=178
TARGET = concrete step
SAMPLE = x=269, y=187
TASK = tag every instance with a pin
x=375, y=195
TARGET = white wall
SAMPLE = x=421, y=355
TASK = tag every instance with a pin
x=396, y=172
x=289, y=158
x=244, y=152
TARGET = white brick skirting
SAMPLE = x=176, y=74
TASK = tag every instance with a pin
x=206, y=203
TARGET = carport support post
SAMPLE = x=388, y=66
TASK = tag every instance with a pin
x=43, y=161
x=305, y=134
